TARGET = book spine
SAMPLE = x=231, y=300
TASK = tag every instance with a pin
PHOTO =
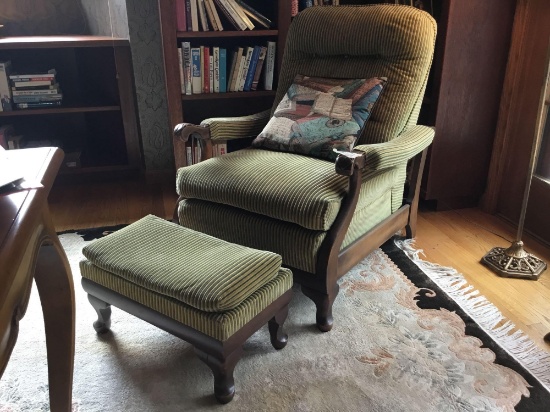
x=32, y=83
x=252, y=68
x=202, y=15
x=229, y=15
x=210, y=15
x=238, y=66
x=182, y=75
x=188, y=156
x=244, y=72
x=33, y=92
x=186, y=47
x=216, y=15
x=216, y=51
x=222, y=148
x=194, y=16
x=205, y=56
x=36, y=105
x=211, y=74
x=5, y=92
x=181, y=18
x=235, y=14
x=294, y=8
x=259, y=65
x=201, y=50
x=198, y=153
x=196, y=70
x=269, y=65
x=223, y=70
x=36, y=99
x=256, y=15
x=188, y=18
x=242, y=15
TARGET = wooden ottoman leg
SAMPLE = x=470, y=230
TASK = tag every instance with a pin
x=278, y=336
x=103, y=309
x=222, y=368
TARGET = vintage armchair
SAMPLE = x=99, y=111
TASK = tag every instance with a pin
x=323, y=218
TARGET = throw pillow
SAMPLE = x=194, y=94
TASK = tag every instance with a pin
x=318, y=115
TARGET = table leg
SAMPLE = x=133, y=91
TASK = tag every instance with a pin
x=55, y=287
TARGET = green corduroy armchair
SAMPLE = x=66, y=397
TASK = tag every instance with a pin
x=323, y=217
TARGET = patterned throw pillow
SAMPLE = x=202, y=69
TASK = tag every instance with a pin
x=317, y=115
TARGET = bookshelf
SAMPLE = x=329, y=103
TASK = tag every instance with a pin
x=96, y=122
x=196, y=107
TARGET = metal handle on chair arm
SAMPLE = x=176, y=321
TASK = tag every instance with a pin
x=184, y=130
x=347, y=162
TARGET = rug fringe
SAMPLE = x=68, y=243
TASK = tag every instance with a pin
x=486, y=314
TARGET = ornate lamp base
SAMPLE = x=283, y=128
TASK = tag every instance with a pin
x=514, y=262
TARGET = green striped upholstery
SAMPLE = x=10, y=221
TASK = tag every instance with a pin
x=220, y=325
x=228, y=128
x=350, y=42
x=297, y=245
x=206, y=273
x=285, y=186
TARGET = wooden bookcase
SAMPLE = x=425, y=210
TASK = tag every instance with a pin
x=97, y=117
x=195, y=108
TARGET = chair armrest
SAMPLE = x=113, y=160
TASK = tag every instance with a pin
x=228, y=128
x=385, y=155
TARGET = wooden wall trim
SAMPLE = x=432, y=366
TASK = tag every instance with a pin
x=525, y=76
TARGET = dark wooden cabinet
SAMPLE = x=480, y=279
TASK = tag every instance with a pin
x=97, y=120
x=195, y=108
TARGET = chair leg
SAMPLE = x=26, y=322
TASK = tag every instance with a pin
x=410, y=229
x=275, y=325
x=323, y=301
x=222, y=368
x=103, y=310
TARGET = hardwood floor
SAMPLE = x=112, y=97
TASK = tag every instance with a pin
x=456, y=238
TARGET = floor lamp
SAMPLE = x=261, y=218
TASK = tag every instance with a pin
x=514, y=261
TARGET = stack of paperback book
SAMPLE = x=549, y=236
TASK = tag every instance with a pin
x=35, y=90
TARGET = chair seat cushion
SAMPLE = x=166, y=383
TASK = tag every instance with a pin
x=201, y=271
x=284, y=186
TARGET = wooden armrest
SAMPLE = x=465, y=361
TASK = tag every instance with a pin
x=184, y=130
x=347, y=162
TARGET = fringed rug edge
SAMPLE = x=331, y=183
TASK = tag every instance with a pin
x=504, y=332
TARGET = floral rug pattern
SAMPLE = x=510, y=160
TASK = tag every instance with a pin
x=384, y=353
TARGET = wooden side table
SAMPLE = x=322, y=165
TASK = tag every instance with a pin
x=30, y=249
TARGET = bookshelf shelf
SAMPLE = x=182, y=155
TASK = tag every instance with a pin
x=229, y=95
x=97, y=117
x=60, y=110
x=226, y=34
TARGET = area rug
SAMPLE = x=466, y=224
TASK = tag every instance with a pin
x=400, y=343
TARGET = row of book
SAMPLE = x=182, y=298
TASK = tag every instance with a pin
x=194, y=151
x=28, y=90
x=203, y=15
x=207, y=70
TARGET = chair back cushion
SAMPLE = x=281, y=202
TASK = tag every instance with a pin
x=361, y=42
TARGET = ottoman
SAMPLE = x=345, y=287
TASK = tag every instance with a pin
x=211, y=293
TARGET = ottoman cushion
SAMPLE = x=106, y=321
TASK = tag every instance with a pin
x=219, y=326
x=180, y=264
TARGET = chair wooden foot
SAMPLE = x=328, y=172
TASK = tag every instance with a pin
x=275, y=325
x=103, y=310
x=323, y=302
x=222, y=368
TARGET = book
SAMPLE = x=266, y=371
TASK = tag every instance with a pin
x=188, y=18
x=216, y=69
x=259, y=65
x=294, y=8
x=186, y=50
x=254, y=14
x=5, y=92
x=37, y=105
x=201, y=50
x=210, y=73
x=202, y=15
x=35, y=92
x=223, y=70
x=49, y=75
x=215, y=14
x=181, y=18
x=32, y=83
x=47, y=87
x=237, y=69
x=252, y=68
x=210, y=15
x=231, y=70
x=180, y=65
x=269, y=65
x=194, y=16
x=6, y=132
x=15, y=142
x=205, y=78
x=245, y=66
x=242, y=15
x=188, y=156
x=196, y=70
x=38, y=98
x=223, y=6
